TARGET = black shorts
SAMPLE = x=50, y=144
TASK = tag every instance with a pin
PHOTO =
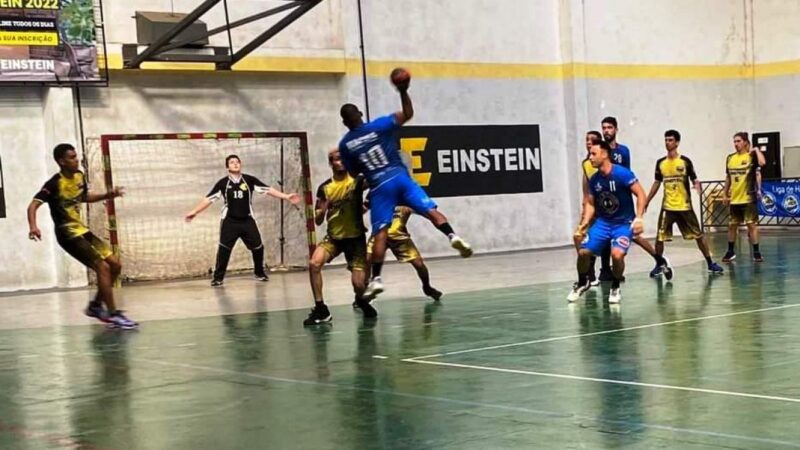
x=232, y=230
x=87, y=248
x=687, y=223
x=746, y=213
x=354, y=249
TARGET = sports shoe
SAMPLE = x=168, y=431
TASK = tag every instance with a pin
x=606, y=275
x=366, y=308
x=757, y=257
x=667, y=269
x=97, y=311
x=656, y=272
x=319, y=314
x=729, y=256
x=374, y=289
x=264, y=277
x=593, y=282
x=461, y=245
x=715, y=268
x=577, y=291
x=432, y=293
x=118, y=320
x=615, y=296
x=216, y=283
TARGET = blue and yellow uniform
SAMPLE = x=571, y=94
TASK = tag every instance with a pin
x=373, y=150
x=614, y=210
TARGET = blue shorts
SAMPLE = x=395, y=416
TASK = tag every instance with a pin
x=602, y=234
x=400, y=190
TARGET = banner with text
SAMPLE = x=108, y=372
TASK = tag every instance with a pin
x=454, y=161
x=48, y=41
x=780, y=198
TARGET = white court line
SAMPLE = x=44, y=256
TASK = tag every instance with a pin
x=604, y=380
x=452, y=401
x=597, y=333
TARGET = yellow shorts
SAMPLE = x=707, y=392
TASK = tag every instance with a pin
x=746, y=213
x=403, y=249
x=86, y=248
x=354, y=249
x=687, y=224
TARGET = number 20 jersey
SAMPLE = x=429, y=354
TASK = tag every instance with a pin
x=373, y=149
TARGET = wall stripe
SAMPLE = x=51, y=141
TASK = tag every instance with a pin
x=480, y=70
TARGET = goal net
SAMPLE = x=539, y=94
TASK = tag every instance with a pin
x=165, y=176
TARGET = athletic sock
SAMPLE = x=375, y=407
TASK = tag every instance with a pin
x=446, y=229
x=730, y=246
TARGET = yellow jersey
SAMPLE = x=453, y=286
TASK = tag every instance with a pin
x=64, y=196
x=588, y=169
x=345, y=206
x=742, y=169
x=676, y=174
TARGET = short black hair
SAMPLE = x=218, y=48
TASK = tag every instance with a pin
x=61, y=150
x=610, y=119
x=596, y=136
x=673, y=133
x=348, y=110
x=230, y=157
x=744, y=135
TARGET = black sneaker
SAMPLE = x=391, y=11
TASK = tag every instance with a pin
x=264, y=277
x=606, y=275
x=216, y=283
x=757, y=257
x=432, y=293
x=97, y=311
x=366, y=308
x=319, y=315
x=729, y=256
x=666, y=269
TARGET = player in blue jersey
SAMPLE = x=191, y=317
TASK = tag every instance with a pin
x=621, y=155
x=616, y=221
x=373, y=149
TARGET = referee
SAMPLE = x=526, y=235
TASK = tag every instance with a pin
x=236, y=190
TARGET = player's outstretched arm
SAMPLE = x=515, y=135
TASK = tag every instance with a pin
x=33, y=230
x=277, y=193
x=118, y=191
x=201, y=206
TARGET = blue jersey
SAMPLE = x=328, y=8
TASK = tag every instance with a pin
x=613, y=200
x=373, y=149
x=621, y=155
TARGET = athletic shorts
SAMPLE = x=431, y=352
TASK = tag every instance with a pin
x=403, y=249
x=354, y=249
x=746, y=213
x=687, y=224
x=400, y=190
x=86, y=248
x=603, y=233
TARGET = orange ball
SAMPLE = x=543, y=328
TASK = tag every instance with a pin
x=400, y=76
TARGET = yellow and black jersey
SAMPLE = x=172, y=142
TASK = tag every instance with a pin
x=742, y=169
x=677, y=174
x=588, y=169
x=398, y=230
x=345, y=207
x=64, y=196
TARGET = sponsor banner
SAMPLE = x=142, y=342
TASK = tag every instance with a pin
x=48, y=41
x=780, y=198
x=454, y=161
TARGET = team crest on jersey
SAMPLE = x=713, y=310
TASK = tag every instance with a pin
x=680, y=169
x=623, y=242
x=598, y=187
x=243, y=186
x=609, y=202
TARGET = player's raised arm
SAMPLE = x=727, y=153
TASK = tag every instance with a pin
x=401, y=80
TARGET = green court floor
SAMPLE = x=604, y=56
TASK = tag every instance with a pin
x=701, y=362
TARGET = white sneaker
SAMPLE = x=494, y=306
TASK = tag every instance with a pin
x=594, y=283
x=615, y=296
x=577, y=291
x=374, y=288
x=461, y=245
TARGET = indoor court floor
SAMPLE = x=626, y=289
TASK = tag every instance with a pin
x=502, y=362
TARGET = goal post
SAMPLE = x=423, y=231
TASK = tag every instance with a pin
x=165, y=175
